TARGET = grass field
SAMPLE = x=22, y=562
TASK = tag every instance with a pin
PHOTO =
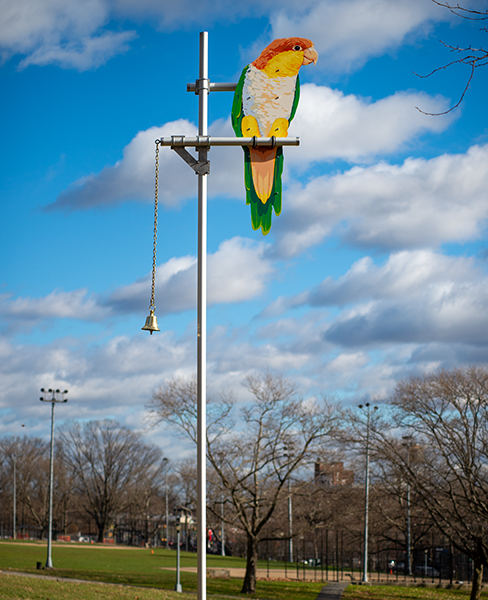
x=373, y=592
x=136, y=566
x=14, y=587
x=139, y=567
x=23, y=588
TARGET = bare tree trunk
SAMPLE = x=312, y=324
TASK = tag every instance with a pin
x=249, y=585
x=101, y=531
x=477, y=579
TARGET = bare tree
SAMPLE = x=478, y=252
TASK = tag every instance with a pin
x=143, y=499
x=186, y=483
x=446, y=413
x=107, y=461
x=472, y=57
x=392, y=499
x=186, y=487
x=252, y=459
x=32, y=462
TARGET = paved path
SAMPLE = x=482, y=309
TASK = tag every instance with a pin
x=333, y=591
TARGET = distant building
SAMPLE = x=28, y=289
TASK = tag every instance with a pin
x=332, y=474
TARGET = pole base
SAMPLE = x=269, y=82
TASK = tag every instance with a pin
x=178, y=588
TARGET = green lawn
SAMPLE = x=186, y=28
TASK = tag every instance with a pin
x=136, y=566
x=14, y=587
x=139, y=567
x=23, y=588
x=384, y=592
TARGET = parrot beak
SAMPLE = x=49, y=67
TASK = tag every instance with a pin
x=310, y=56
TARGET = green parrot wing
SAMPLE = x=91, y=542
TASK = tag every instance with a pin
x=296, y=99
x=237, y=113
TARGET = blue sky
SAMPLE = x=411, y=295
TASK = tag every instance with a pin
x=375, y=269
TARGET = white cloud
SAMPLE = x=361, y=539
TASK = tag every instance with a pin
x=418, y=310
x=26, y=23
x=69, y=33
x=132, y=177
x=331, y=125
x=25, y=313
x=237, y=272
x=417, y=204
x=347, y=33
x=401, y=277
x=104, y=380
x=116, y=378
x=416, y=297
x=74, y=35
x=83, y=54
x=347, y=362
x=175, y=282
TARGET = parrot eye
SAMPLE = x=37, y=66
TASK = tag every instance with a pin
x=297, y=47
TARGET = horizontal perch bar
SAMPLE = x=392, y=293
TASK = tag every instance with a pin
x=214, y=87
x=206, y=141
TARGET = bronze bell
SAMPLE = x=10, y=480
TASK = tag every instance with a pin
x=151, y=323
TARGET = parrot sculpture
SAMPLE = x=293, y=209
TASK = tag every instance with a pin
x=265, y=102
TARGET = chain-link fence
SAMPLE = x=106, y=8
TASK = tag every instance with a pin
x=337, y=555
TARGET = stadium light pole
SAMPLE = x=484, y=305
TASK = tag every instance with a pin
x=367, y=408
x=14, y=516
x=178, y=587
x=290, y=523
x=56, y=396
x=408, y=443
x=165, y=462
x=289, y=454
x=222, y=527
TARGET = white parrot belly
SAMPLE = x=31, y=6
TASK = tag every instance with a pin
x=266, y=98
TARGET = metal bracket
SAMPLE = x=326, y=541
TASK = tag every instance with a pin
x=201, y=167
x=212, y=87
x=205, y=142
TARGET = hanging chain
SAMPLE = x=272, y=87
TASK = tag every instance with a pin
x=152, y=306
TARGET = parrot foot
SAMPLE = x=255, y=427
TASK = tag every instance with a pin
x=250, y=127
x=279, y=128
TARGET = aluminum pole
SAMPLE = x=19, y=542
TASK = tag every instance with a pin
x=409, y=533
x=14, y=516
x=366, y=503
x=408, y=566
x=165, y=460
x=202, y=144
x=49, y=562
x=178, y=587
x=52, y=400
x=202, y=90
x=409, y=536
x=222, y=528
x=290, y=522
